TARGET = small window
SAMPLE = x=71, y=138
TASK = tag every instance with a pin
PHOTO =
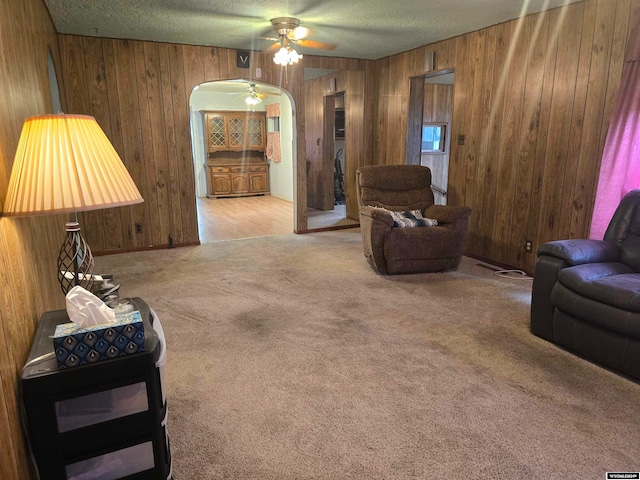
x=433, y=137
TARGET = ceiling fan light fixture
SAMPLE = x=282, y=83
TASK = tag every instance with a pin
x=286, y=56
x=281, y=57
x=294, y=56
x=299, y=33
x=253, y=100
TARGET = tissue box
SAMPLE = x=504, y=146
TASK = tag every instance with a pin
x=81, y=346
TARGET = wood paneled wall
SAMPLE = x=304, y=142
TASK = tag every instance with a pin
x=139, y=93
x=319, y=175
x=28, y=246
x=533, y=98
x=438, y=103
x=437, y=108
x=358, y=138
x=320, y=166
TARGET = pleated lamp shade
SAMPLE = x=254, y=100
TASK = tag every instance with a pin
x=65, y=163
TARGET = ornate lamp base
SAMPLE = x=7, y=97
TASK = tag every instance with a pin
x=75, y=261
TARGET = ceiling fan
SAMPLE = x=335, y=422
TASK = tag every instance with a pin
x=253, y=94
x=291, y=33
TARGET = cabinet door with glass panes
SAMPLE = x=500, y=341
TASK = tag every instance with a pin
x=255, y=131
x=234, y=131
x=216, y=137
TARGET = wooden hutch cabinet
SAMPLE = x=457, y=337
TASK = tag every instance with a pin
x=235, y=146
x=227, y=179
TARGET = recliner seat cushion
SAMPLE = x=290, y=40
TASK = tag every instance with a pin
x=613, y=284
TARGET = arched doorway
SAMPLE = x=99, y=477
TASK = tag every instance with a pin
x=231, y=96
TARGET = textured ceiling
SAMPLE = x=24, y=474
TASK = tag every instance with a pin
x=369, y=29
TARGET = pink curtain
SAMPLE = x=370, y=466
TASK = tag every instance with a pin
x=273, y=147
x=273, y=110
x=273, y=138
x=620, y=167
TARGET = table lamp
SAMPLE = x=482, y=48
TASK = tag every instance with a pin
x=66, y=164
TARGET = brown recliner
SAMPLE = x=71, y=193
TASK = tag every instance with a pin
x=391, y=249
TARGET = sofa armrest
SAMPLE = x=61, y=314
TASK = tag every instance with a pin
x=447, y=214
x=545, y=277
x=377, y=214
x=375, y=224
x=456, y=220
x=577, y=252
x=552, y=258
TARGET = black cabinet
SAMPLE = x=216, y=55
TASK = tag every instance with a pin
x=104, y=421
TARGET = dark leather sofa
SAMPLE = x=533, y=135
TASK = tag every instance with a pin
x=586, y=293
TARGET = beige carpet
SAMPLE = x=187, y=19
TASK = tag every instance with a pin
x=289, y=358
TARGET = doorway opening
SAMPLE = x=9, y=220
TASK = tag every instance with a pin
x=269, y=212
x=333, y=101
x=428, y=134
x=327, y=198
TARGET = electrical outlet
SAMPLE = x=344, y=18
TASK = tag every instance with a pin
x=138, y=228
x=528, y=245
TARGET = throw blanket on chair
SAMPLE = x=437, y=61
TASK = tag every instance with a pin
x=412, y=218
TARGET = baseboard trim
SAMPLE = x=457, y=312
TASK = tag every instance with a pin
x=164, y=246
x=327, y=229
x=500, y=265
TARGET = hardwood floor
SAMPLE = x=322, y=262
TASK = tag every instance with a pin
x=243, y=217
x=330, y=218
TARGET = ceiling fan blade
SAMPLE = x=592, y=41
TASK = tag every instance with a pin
x=315, y=44
x=273, y=48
